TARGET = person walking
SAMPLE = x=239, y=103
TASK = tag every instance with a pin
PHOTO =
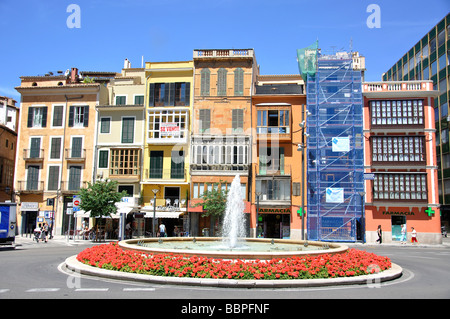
x=403, y=234
x=45, y=230
x=413, y=235
x=380, y=234
x=162, y=230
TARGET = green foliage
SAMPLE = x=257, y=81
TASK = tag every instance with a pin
x=100, y=197
x=214, y=202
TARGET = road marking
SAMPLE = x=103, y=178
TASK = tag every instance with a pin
x=138, y=289
x=3, y=291
x=43, y=290
x=91, y=289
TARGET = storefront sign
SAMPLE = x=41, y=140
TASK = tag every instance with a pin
x=274, y=210
x=399, y=213
x=27, y=206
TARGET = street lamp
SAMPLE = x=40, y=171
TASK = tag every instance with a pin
x=155, y=191
x=363, y=222
x=301, y=148
x=258, y=194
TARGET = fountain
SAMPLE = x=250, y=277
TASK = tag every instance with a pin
x=233, y=244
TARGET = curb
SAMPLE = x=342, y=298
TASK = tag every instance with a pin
x=73, y=264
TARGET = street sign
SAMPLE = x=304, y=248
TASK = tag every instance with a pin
x=76, y=201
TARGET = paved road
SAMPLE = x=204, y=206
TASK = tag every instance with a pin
x=32, y=271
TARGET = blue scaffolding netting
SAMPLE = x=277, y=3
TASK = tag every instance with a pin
x=335, y=167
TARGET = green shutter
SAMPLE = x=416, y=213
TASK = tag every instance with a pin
x=128, y=130
x=205, y=82
x=156, y=164
x=239, y=82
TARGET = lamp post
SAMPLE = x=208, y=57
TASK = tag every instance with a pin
x=155, y=191
x=258, y=194
x=301, y=148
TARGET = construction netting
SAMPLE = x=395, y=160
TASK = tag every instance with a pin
x=335, y=167
x=307, y=60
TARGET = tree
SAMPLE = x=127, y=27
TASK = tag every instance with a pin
x=214, y=202
x=100, y=198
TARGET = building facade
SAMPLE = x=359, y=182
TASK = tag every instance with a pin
x=9, y=118
x=166, y=178
x=278, y=109
x=400, y=160
x=221, y=136
x=55, y=146
x=428, y=59
x=119, y=143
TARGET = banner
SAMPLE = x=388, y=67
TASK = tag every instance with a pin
x=334, y=195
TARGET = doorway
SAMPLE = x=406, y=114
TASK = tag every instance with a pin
x=397, y=222
x=172, y=193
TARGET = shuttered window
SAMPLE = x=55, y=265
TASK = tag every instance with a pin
x=239, y=82
x=205, y=120
x=222, y=82
x=238, y=120
x=53, y=178
x=128, y=130
x=55, y=148
x=205, y=82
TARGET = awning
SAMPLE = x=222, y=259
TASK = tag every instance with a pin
x=163, y=214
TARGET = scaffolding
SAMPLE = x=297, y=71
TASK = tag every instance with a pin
x=335, y=160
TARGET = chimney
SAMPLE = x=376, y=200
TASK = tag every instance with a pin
x=74, y=75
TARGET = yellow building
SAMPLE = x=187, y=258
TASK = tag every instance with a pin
x=55, y=145
x=166, y=144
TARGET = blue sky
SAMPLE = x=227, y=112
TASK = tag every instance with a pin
x=36, y=39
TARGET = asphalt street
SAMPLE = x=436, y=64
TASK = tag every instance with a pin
x=34, y=271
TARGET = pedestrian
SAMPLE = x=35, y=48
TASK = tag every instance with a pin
x=413, y=235
x=379, y=233
x=162, y=230
x=404, y=234
x=45, y=230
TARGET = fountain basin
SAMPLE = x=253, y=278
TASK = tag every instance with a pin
x=250, y=248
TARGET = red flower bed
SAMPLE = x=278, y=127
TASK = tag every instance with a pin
x=352, y=263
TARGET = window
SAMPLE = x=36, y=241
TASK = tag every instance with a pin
x=432, y=46
x=433, y=67
x=425, y=51
x=442, y=62
x=237, y=120
x=274, y=189
x=103, y=159
x=169, y=94
x=128, y=130
x=53, y=178
x=401, y=186
x=124, y=162
x=37, y=117
x=273, y=121
x=398, y=149
x=35, y=147
x=205, y=120
x=167, y=124
x=205, y=75
x=222, y=82
x=58, y=115
x=177, y=166
x=55, y=147
x=139, y=100
x=127, y=188
x=271, y=161
x=74, y=178
x=33, y=177
x=105, y=125
x=156, y=164
x=444, y=110
x=77, y=147
x=443, y=86
x=441, y=38
x=78, y=116
x=406, y=112
x=239, y=82
x=426, y=73
x=121, y=99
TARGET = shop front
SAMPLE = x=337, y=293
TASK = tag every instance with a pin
x=274, y=222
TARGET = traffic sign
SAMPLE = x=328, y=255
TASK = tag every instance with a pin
x=76, y=201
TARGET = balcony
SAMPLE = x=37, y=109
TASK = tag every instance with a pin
x=422, y=88
x=166, y=174
x=75, y=155
x=33, y=155
x=31, y=187
x=276, y=170
x=223, y=53
x=72, y=187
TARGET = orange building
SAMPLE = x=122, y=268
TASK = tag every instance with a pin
x=400, y=161
x=278, y=108
x=221, y=127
